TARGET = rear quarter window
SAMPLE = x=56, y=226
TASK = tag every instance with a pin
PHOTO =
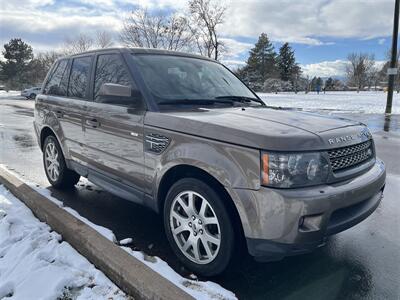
x=54, y=85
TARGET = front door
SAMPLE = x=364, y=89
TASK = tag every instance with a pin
x=113, y=127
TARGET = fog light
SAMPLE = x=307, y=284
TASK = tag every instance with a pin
x=310, y=223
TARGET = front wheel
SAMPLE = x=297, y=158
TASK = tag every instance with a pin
x=198, y=227
x=55, y=168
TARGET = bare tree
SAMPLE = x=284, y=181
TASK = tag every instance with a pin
x=207, y=16
x=373, y=77
x=78, y=44
x=48, y=58
x=142, y=29
x=40, y=65
x=360, y=66
x=103, y=39
x=84, y=42
x=177, y=34
x=383, y=73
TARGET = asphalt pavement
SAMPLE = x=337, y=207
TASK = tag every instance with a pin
x=360, y=263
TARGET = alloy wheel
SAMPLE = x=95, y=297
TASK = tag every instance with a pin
x=195, y=227
x=52, y=161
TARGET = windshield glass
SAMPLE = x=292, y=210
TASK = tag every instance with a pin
x=175, y=78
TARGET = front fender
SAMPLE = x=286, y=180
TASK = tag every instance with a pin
x=233, y=166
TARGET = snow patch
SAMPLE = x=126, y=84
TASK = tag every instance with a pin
x=346, y=102
x=126, y=241
x=198, y=289
x=36, y=264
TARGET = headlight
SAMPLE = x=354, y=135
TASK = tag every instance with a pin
x=288, y=170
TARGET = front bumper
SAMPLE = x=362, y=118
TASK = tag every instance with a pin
x=282, y=222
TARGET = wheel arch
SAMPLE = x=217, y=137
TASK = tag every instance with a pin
x=44, y=133
x=181, y=171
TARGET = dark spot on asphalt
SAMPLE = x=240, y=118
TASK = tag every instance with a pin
x=24, y=140
x=24, y=112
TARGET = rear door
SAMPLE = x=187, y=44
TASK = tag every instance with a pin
x=69, y=113
x=75, y=109
x=114, y=126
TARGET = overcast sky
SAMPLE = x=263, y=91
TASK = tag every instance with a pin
x=322, y=32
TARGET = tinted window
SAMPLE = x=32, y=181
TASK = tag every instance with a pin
x=183, y=78
x=54, y=85
x=64, y=81
x=110, y=68
x=79, y=78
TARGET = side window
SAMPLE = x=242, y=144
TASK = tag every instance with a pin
x=64, y=80
x=79, y=78
x=53, y=86
x=111, y=69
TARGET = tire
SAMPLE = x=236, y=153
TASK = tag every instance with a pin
x=55, y=168
x=197, y=227
x=32, y=96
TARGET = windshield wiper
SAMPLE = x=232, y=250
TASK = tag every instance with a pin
x=241, y=99
x=194, y=102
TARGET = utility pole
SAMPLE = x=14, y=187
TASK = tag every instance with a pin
x=392, y=71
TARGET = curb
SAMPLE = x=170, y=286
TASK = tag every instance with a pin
x=128, y=273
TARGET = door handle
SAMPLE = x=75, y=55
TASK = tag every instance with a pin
x=59, y=113
x=92, y=123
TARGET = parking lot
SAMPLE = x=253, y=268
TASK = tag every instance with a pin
x=361, y=263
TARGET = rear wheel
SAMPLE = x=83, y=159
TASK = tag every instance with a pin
x=198, y=227
x=32, y=96
x=55, y=168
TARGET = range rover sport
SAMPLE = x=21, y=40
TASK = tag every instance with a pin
x=181, y=134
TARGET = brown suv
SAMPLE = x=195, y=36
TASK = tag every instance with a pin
x=184, y=136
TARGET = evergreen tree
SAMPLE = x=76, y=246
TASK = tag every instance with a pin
x=329, y=85
x=319, y=83
x=288, y=68
x=313, y=84
x=18, y=55
x=261, y=63
x=316, y=84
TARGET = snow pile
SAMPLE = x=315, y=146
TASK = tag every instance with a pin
x=346, y=102
x=198, y=289
x=36, y=264
x=201, y=290
x=10, y=94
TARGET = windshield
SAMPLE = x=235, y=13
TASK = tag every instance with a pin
x=174, y=78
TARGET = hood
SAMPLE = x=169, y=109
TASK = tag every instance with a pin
x=263, y=127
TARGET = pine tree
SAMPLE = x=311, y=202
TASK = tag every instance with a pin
x=17, y=56
x=261, y=63
x=313, y=83
x=329, y=84
x=288, y=68
x=319, y=83
x=263, y=57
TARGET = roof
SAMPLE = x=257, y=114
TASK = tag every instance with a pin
x=141, y=51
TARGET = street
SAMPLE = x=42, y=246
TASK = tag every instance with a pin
x=363, y=262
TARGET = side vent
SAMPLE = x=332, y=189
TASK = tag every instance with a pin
x=156, y=143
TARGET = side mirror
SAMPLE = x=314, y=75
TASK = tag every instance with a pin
x=115, y=90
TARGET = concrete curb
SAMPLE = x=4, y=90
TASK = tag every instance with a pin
x=127, y=272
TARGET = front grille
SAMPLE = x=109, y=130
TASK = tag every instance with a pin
x=351, y=156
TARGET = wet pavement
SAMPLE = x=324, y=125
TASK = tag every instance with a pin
x=360, y=263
